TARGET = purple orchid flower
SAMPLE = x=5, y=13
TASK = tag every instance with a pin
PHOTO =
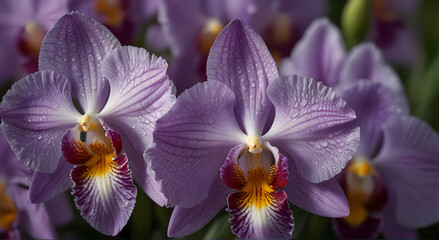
x=18, y=216
x=120, y=92
x=255, y=137
x=392, y=32
x=23, y=25
x=192, y=26
x=121, y=17
x=396, y=162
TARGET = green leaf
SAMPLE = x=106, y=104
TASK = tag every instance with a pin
x=429, y=93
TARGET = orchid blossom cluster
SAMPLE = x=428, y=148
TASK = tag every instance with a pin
x=247, y=127
x=391, y=182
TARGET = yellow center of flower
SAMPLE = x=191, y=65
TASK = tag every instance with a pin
x=33, y=38
x=258, y=191
x=97, y=151
x=255, y=171
x=360, y=179
x=8, y=211
x=91, y=125
x=208, y=35
x=100, y=159
x=110, y=10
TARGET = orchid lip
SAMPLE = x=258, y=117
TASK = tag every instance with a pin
x=258, y=205
x=364, y=191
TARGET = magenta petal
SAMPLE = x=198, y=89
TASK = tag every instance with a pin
x=313, y=126
x=271, y=222
x=368, y=230
x=228, y=170
x=76, y=47
x=409, y=165
x=185, y=221
x=281, y=162
x=45, y=186
x=105, y=201
x=374, y=104
x=325, y=199
x=36, y=113
x=318, y=55
x=365, y=61
x=192, y=140
x=240, y=59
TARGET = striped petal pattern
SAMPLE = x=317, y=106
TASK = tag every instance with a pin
x=258, y=209
x=103, y=187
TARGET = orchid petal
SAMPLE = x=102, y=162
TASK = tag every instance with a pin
x=140, y=92
x=185, y=70
x=105, y=201
x=76, y=47
x=185, y=221
x=181, y=22
x=240, y=59
x=365, y=61
x=193, y=139
x=408, y=164
x=12, y=170
x=33, y=217
x=318, y=55
x=57, y=205
x=313, y=126
x=36, y=113
x=324, y=199
x=373, y=104
x=142, y=174
x=391, y=228
x=45, y=186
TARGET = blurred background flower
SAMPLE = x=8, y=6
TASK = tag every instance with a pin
x=19, y=218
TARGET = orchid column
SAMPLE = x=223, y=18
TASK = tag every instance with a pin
x=98, y=139
x=255, y=137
